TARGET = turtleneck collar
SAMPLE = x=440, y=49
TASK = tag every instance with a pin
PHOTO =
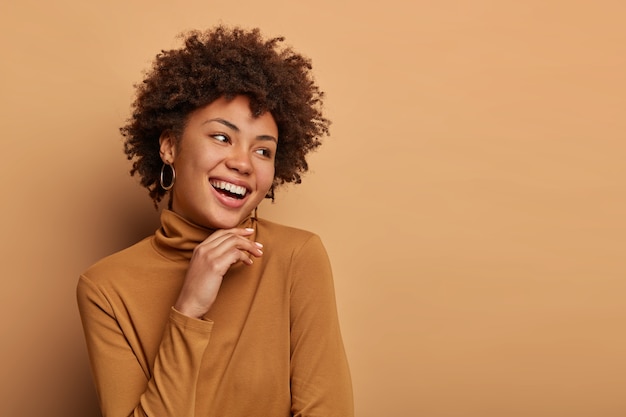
x=177, y=237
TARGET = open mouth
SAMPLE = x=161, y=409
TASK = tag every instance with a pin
x=229, y=190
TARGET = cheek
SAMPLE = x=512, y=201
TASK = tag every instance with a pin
x=265, y=175
x=204, y=160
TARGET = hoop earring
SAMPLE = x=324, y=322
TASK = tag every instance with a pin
x=171, y=184
x=270, y=193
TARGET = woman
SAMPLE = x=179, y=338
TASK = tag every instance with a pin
x=219, y=313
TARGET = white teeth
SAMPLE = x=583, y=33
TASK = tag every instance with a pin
x=235, y=189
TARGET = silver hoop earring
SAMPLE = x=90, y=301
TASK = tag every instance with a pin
x=171, y=184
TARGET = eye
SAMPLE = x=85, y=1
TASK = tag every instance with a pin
x=264, y=152
x=220, y=137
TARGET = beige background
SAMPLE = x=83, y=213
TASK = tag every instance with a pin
x=472, y=196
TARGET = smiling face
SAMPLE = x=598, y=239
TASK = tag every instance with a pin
x=224, y=162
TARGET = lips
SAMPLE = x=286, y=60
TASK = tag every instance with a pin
x=229, y=189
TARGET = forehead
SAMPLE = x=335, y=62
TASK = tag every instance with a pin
x=234, y=114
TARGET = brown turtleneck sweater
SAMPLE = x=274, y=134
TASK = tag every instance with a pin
x=270, y=346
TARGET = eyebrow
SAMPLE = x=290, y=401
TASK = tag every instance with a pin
x=236, y=129
x=224, y=122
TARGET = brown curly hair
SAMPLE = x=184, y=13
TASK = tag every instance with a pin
x=226, y=62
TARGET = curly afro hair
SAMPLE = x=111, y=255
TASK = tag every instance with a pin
x=226, y=62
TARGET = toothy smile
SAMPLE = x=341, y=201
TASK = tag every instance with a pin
x=232, y=190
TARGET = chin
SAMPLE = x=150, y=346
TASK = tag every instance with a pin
x=223, y=222
x=213, y=216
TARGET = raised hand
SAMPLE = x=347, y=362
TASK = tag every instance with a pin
x=209, y=263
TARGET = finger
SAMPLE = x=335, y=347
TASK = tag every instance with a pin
x=222, y=235
x=225, y=242
x=230, y=251
x=246, y=259
x=240, y=244
x=235, y=255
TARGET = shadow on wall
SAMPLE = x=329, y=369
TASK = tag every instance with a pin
x=133, y=222
x=57, y=382
x=111, y=224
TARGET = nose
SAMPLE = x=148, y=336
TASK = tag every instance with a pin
x=239, y=160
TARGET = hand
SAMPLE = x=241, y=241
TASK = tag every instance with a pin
x=209, y=263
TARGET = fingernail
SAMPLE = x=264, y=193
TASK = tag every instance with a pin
x=249, y=229
x=260, y=245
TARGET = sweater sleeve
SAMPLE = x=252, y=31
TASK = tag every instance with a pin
x=122, y=385
x=320, y=377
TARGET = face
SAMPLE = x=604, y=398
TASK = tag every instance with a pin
x=224, y=163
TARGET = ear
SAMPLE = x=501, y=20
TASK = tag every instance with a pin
x=167, y=147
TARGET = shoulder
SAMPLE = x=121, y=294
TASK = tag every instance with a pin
x=289, y=243
x=301, y=258
x=288, y=237
x=121, y=263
